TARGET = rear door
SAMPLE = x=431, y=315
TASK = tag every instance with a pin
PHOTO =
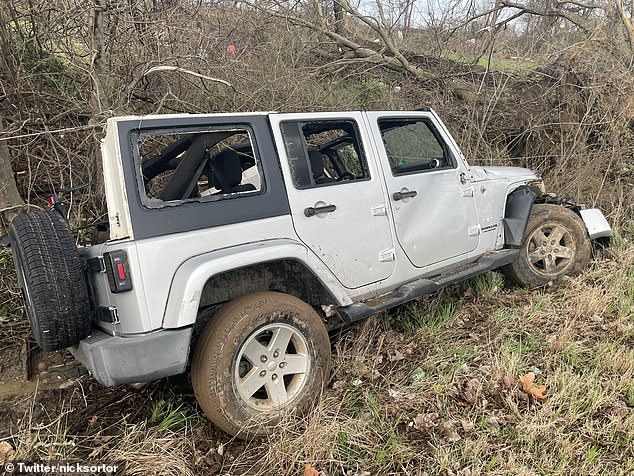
x=429, y=187
x=337, y=198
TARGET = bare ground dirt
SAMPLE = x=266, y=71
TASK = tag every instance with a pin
x=431, y=389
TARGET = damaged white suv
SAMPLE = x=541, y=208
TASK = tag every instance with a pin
x=235, y=242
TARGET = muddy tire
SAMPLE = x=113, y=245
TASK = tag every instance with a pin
x=52, y=279
x=259, y=357
x=556, y=244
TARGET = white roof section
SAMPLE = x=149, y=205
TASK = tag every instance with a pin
x=148, y=117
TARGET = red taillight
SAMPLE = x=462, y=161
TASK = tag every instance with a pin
x=121, y=271
x=117, y=271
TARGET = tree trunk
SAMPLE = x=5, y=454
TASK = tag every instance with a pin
x=11, y=204
x=99, y=61
x=627, y=22
x=407, y=16
x=338, y=11
x=7, y=51
x=100, y=98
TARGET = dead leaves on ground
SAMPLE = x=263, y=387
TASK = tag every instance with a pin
x=471, y=392
x=92, y=422
x=6, y=452
x=426, y=422
x=531, y=388
x=310, y=471
x=431, y=422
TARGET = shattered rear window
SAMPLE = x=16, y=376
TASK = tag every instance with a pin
x=205, y=165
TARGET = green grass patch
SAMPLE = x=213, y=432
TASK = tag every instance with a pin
x=486, y=283
x=368, y=436
x=577, y=356
x=499, y=64
x=168, y=417
x=414, y=318
x=522, y=345
x=502, y=315
x=449, y=357
x=6, y=258
x=539, y=307
x=623, y=303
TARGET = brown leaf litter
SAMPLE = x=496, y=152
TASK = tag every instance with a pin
x=531, y=388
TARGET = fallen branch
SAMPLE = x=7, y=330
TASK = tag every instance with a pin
x=627, y=22
x=156, y=69
x=395, y=60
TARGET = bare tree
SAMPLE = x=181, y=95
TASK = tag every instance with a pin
x=627, y=22
x=10, y=201
x=379, y=48
x=338, y=14
x=608, y=16
x=99, y=60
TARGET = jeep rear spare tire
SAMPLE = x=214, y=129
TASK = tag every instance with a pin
x=52, y=279
x=260, y=356
x=556, y=244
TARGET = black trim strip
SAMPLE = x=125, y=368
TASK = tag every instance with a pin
x=358, y=311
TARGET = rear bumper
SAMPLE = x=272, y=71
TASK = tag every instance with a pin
x=114, y=360
x=597, y=225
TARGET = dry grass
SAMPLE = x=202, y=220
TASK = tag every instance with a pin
x=431, y=390
x=443, y=399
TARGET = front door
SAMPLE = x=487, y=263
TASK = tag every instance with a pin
x=430, y=194
x=337, y=197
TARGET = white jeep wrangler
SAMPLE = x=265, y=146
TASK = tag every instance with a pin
x=280, y=227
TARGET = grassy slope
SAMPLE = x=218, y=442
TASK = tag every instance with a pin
x=431, y=390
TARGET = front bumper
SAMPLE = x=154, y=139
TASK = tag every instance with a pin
x=114, y=360
x=596, y=224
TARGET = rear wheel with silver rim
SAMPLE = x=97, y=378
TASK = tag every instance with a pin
x=260, y=356
x=271, y=367
x=556, y=244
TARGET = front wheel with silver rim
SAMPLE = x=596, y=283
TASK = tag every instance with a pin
x=259, y=357
x=556, y=244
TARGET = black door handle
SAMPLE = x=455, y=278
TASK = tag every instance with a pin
x=402, y=195
x=312, y=211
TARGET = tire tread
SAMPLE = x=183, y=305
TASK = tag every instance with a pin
x=45, y=248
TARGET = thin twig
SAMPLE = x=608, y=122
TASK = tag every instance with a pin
x=54, y=131
x=186, y=71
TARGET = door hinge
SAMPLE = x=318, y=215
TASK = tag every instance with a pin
x=96, y=265
x=379, y=210
x=108, y=314
x=387, y=255
x=474, y=230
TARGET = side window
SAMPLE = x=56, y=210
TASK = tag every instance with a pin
x=323, y=153
x=413, y=145
x=203, y=165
